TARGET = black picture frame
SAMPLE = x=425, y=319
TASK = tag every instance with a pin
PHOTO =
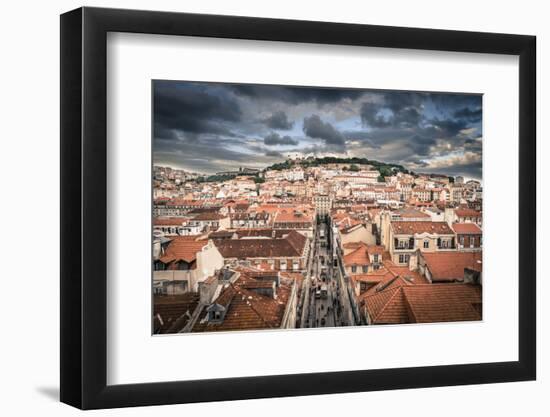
x=84, y=207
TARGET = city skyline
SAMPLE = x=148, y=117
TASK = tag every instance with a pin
x=211, y=127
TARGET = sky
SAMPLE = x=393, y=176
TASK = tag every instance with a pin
x=212, y=127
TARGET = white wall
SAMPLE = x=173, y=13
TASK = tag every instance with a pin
x=29, y=158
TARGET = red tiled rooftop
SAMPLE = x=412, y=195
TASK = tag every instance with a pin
x=408, y=228
x=467, y=212
x=292, y=216
x=182, y=248
x=358, y=257
x=466, y=228
x=449, y=266
x=424, y=303
x=246, y=309
x=290, y=246
x=170, y=312
x=443, y=302
x=168, y=221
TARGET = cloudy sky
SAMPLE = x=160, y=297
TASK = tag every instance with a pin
x=211, y=127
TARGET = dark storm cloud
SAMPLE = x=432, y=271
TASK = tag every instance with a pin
x=210, y=154
x=444, y=101
x=400, y=109
x=210, y=127
x=274, y=154
x=279, y=121
x=362, y=136
x=421, y=145
x=276, y=139
x=473, y=145
x=447, y=127
x=468, y=114
x=315, y=128
x=473, y=169
x=295, y=95
x=372, y=115
x=191, y=108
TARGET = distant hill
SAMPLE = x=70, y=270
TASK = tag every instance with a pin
x=384, y=168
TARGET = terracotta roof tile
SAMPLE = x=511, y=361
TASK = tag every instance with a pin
x=292, y=216
x=467, y=212
x=182, y=248
x=358, y=257
x=466, y=228
x=169, y=221
x=408, y=228
x=171, y=313
x=246, y=309
x=449, y=266
x=443, y=302
x=290, y=246
x=424, y=303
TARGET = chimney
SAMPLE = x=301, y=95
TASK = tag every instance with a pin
x=413, y=262
x=207, y=288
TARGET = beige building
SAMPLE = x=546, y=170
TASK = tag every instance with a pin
x=322, y=205
x=182, y=263
x=404, y=238
x=358, y=233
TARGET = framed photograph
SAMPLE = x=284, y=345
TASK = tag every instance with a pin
x=259, y=208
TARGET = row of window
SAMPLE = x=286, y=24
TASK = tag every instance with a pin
x=410, y=244
x=282, y=264
x=472, y=241
x=404, y=258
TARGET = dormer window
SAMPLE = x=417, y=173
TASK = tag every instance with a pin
x=215, y=313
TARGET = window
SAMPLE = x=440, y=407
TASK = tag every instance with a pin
x=354, y=269
x=365, y=268
x=376, y=258
x=462, y=240
x=426, y=244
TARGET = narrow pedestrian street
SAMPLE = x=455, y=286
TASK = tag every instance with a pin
x=325, y=301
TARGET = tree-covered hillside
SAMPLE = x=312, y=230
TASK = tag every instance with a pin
x=384, y=168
